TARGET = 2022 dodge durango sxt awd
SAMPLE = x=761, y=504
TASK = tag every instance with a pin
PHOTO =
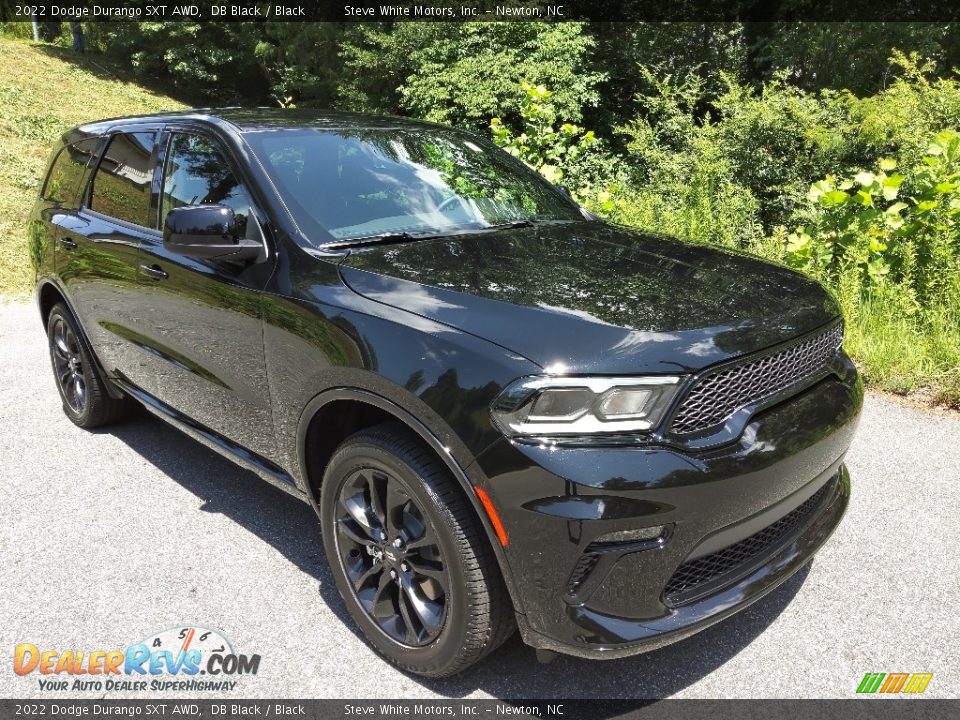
x=506, y=412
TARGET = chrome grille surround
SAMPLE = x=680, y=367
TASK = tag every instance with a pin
x=718, y=394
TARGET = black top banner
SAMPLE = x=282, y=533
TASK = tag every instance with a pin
x=482, y=10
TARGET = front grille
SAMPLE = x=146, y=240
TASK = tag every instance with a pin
x=719, y=394
x=685, y=584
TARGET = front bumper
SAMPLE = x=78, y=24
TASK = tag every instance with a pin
x=752, y=512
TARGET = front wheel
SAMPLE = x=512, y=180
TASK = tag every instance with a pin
x=409, y=555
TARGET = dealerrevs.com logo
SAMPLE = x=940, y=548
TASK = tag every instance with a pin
x=189, y=658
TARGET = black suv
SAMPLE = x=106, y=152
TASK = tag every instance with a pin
x=505, y=411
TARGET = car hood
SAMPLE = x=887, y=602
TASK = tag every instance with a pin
x=594, y=298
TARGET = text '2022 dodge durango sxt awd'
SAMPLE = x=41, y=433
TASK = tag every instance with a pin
x=506, y=412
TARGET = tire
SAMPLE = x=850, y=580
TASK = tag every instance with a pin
x=86, y=400
x=462, y=575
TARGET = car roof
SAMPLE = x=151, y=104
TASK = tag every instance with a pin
x=252, y=119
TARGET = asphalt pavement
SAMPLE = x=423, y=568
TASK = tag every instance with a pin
x=109, y=536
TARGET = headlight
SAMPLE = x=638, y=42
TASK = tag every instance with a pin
x=543, y=405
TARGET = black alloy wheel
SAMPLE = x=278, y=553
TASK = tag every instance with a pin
x=68, y=365
x=86, y=398
x=391, y=556
x=409, y=554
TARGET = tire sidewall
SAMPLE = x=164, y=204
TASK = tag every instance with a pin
x=432, y=658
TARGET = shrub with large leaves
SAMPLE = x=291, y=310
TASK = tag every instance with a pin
x=564, y=153
x=885, y=226
x=546, y=148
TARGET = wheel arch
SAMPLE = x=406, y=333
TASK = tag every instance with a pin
x=49, y=293
x=370, y=409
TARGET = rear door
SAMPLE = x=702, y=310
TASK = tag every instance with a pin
x=96, y=248
x=58, y=216
x=200, y=319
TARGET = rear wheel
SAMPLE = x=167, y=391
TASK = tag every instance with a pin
x=85, y=398
x=409, y=555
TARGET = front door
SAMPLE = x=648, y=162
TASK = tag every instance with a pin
x=201, y=319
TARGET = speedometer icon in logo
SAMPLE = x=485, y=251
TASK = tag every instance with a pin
x=180, y=640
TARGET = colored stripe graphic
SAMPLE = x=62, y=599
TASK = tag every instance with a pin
x=918, y=683
x=870, y=682
x=892, y=683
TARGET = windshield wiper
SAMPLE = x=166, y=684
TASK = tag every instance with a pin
x=526, y=223
x=398, y=237
x=390, y=237
x=510, y=225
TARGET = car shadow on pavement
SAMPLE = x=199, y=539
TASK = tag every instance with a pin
x=512, y=672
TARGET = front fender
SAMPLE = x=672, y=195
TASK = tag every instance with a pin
x=433, y=431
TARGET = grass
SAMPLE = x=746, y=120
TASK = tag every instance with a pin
x=45, y=90
x=917, y=356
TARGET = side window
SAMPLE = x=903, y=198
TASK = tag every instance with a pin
x=63, y=185
x=121, y=186
x=197, y=173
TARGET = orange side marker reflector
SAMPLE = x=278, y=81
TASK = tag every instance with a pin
x=492, y=514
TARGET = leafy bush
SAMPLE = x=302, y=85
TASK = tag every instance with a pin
x=682, y=181
x=695, y=199
x=465, y=73
x=546, y=148
x=886, y=240
x=207, y=61
x=854, y=222
x=886, y=227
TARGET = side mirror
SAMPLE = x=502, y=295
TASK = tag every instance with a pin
x=206, y=231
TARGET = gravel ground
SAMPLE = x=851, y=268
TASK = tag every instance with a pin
x=110, y=535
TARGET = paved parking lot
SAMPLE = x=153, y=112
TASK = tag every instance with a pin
x=108, y=536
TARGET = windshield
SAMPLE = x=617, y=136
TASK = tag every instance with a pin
x=354, y=184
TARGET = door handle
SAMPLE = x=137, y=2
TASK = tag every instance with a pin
x=155, y=271
x=68, y=244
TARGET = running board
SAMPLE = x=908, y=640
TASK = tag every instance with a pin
x=269, y=471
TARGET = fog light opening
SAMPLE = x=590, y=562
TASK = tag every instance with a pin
x=654, y=532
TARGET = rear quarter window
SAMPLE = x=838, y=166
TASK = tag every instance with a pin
x=121, y=185
x=64, y=183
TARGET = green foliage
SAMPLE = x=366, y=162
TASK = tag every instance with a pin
x=899, y=120
x=778, y=139
x=890, y=243
x=760, y=150
x=636, y=55
x=300, y=61
x=210, y=60
x=464, y=73
x=20, y=30
x=844, y=56
x=541, y=144
x=855, y=223
x=683, y=181
x=886, y=227
x=901, y=349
